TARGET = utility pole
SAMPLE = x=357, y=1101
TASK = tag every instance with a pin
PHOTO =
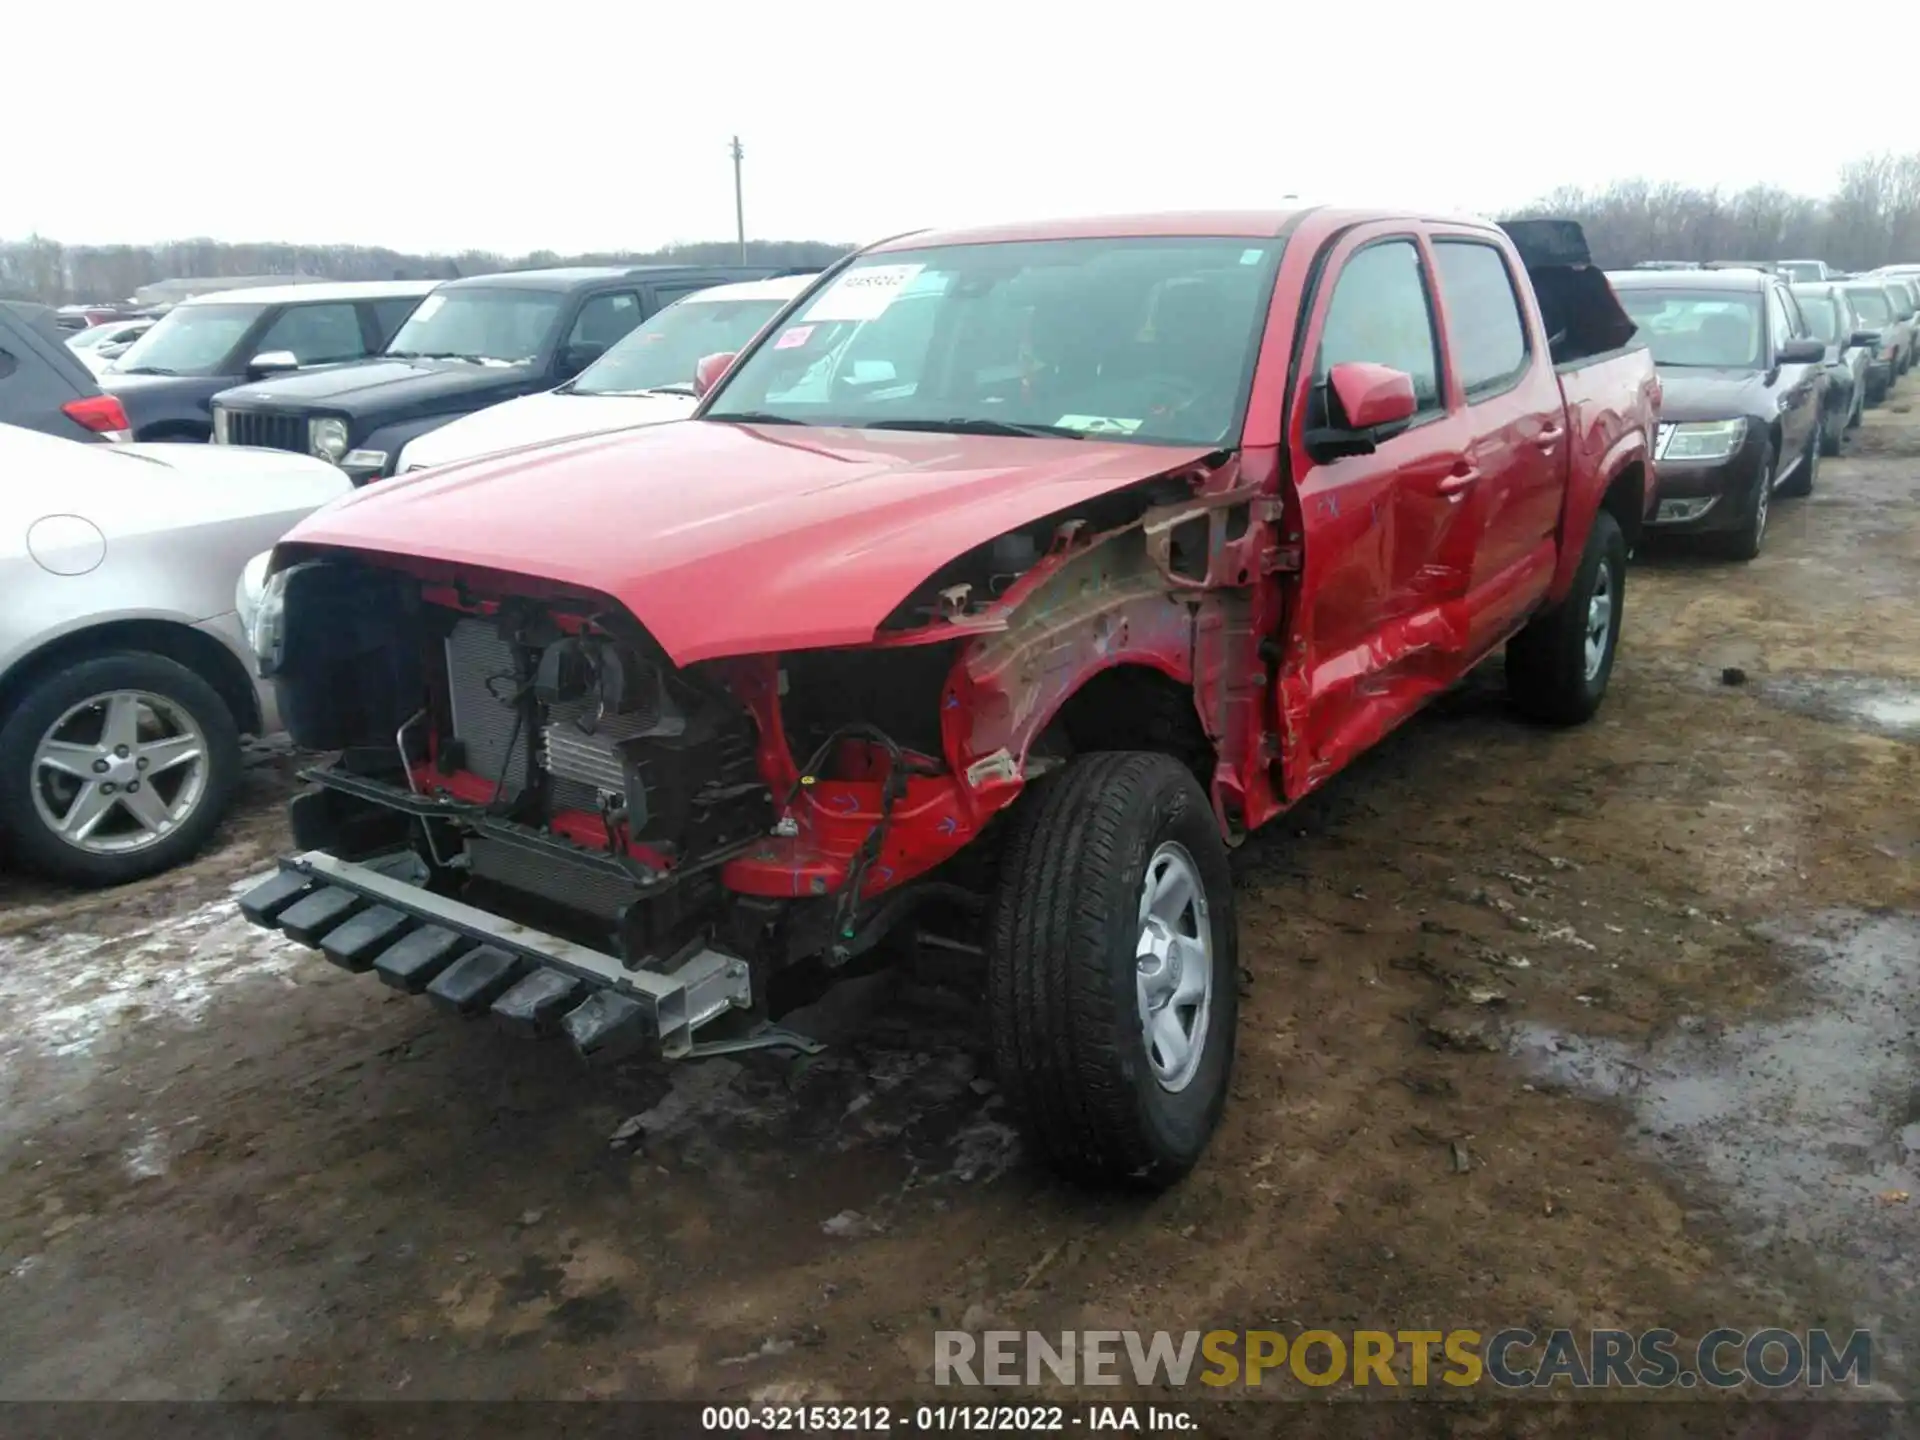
x=739, y=206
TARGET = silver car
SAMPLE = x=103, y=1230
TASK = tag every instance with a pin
x=126, y=679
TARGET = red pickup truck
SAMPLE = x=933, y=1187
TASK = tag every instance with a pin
x=1003, y=583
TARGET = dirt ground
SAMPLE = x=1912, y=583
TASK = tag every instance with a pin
x=1611, y=1027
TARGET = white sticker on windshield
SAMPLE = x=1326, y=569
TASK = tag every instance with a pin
x=1252, y=257
x=1098, y=424
x=863, y=294
x=427, y=306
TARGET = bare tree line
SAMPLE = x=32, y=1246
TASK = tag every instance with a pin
x=54, y=274
x=1872, y=218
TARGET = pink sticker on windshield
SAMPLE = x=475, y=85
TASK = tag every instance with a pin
x=794, y=338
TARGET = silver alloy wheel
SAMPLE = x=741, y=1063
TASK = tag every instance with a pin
x=119, y=771
x=1173, y=973
x=1599, y=619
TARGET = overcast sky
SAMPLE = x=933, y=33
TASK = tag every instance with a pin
x=582, y=126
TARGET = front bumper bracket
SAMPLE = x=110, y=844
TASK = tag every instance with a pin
x=533, y=982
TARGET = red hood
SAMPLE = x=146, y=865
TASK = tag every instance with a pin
x=727, y=539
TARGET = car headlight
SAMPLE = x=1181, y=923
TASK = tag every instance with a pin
x=327, y=438
x=248, y=589
x=266, y=630
x=1704, y=440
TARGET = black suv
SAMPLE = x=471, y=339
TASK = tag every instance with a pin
x=471, y=344
x=168, y=377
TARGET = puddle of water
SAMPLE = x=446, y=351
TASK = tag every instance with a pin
x=1807, y=1126
x=1867, y=702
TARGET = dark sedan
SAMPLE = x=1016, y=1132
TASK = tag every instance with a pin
x=1850, y=354
x=1744, y=394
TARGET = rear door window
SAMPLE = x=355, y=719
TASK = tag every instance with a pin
x=1484, y=326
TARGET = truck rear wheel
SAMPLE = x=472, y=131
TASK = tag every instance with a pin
x=1113, y=969
x=1558, y=667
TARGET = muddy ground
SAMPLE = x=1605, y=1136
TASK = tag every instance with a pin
x=1612, y=1027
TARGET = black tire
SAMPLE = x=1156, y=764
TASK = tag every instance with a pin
x=1547, y=674
x=1833, y=432
x=51, y=695
x=1806, y=474
x=1746, y=542
x=1063, y=935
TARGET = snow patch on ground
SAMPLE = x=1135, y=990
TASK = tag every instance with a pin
x=65, y=993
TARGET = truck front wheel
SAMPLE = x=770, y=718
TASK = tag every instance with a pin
x=1113, y=969
x=1558, y=667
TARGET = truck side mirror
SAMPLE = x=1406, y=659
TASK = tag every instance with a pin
x=273, y=362
x=707, y=373
x=1864, y=340
x=1368, y=397
x=1801, y=352
x=1358, y=405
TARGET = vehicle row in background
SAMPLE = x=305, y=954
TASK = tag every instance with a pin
x=470, y=344
x=1760, y=378
x=98, y=346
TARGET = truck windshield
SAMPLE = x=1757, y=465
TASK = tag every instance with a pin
x=1148, y=340
x=1704, y=329
x=504, y=326
x=1871, y=304
x=1822, y=318
x=192, y=340
x=661, y=354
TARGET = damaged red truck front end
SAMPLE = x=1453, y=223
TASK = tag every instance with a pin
x=641, y=737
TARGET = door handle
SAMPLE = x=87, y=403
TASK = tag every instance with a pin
x=1461, y=478
x=1549, y=437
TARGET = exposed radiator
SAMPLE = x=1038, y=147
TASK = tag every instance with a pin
x=480, y=685
x=550, y=877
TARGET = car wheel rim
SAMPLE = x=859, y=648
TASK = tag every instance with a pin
x=1173, y=969
x=1599, y=619
x=119, y=772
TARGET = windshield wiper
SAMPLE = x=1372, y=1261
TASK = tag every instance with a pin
x=144, y=370
x=570, y=388
x=756, y=417
x=980, y=427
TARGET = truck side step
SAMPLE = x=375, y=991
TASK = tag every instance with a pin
x=412, y=963
x=536, y=1002
x=474, y=981
x=354, y=945
x=265, y=903
x=309, y=919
